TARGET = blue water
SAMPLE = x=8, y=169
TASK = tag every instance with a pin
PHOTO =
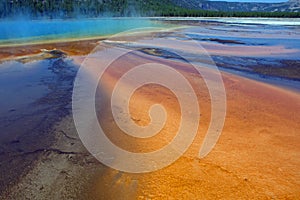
x=16, y=31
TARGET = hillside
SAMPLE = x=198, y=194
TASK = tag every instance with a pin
x=291, y=6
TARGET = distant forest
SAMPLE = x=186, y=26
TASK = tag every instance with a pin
x=115, y=8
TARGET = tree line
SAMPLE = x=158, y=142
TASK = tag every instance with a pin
x=116, y=8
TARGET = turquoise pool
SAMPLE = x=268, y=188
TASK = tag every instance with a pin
x=23, y=31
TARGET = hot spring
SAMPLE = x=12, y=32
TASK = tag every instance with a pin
x=37, y=31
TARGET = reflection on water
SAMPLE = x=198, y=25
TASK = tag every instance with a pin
x=20, y=84
x=30, y=86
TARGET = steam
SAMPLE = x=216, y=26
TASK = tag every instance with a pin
x=63, y=9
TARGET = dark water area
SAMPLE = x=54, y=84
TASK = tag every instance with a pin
x=279, y=72
x=21, y=84
x=34, y=97
x=278, y=68
x=257, y=41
